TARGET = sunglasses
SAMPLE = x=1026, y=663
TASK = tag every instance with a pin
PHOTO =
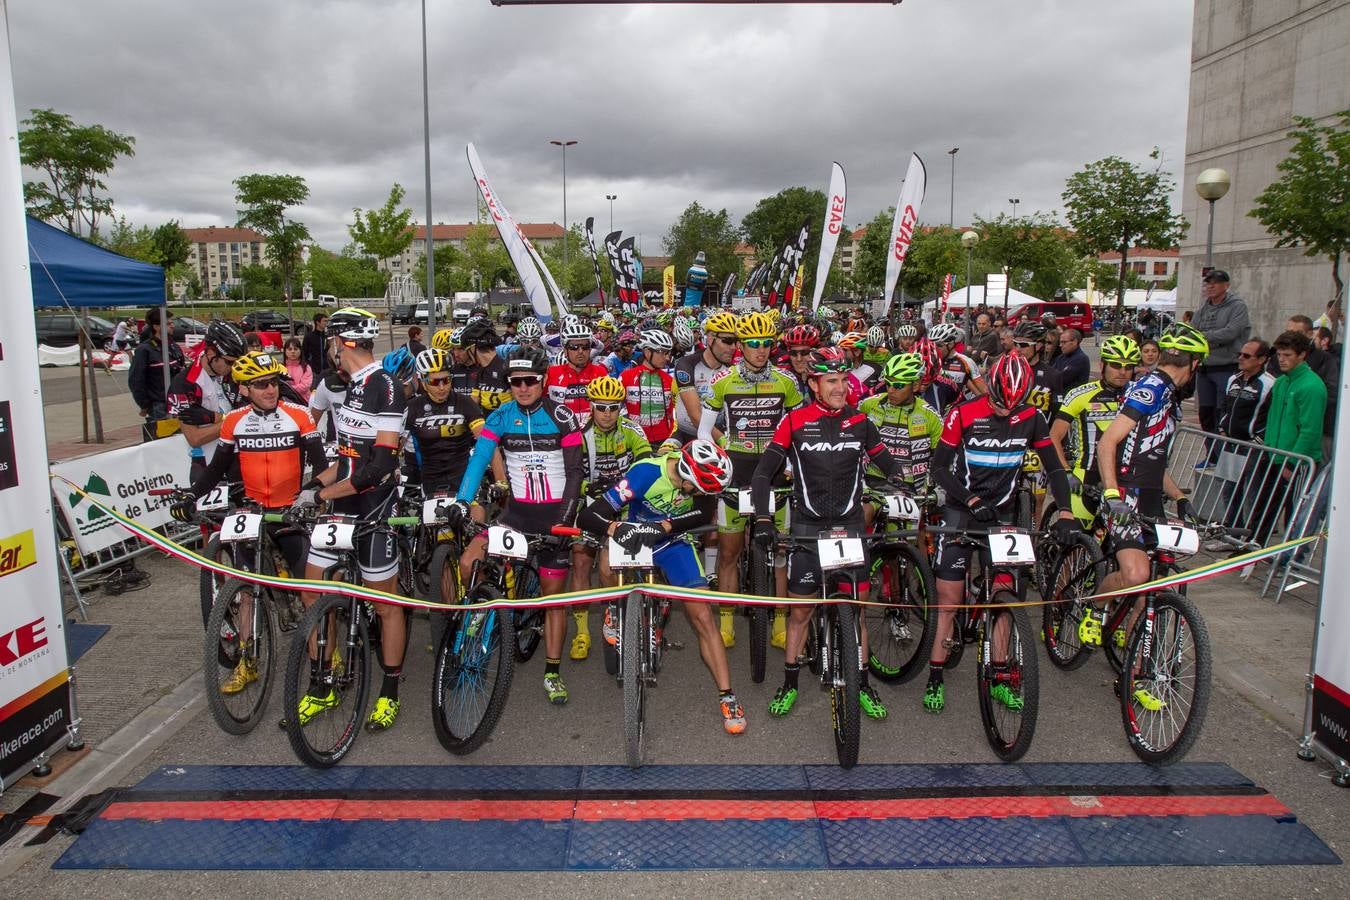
x=438, y=382
x=605, y=407
x=758, y=343
x=727, y=340
x=1025, y=343
x=265, y=383
x=525, y=381
x=807, y=352
x=578, y=346
x=899, y=384
x=1250, y=356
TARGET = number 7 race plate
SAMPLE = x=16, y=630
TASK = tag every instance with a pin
x=1011, y=547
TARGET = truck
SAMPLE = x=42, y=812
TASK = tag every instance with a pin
x=465, y=301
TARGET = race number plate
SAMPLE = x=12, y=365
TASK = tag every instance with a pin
x=508, y=542
x=620, y=558
x=241, y=527
x=1177, y=537
x=840, y=552
x=1012, y=547
x=333, y=534
x=218, y=498
x=745, y=503
x=902, y=508
x=433, y=510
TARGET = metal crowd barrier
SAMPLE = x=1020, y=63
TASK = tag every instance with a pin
x=1303, y=567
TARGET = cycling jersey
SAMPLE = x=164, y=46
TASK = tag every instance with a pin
x=196, y=397
x=487, y=385
x=271, y=450
x=1089, y=410
x=442, y=438
x=1142, y=457
x=567, y=385
x=980, y=453
x=331, y=392
x=940, y=394
x=909, y=432
x=748, y=406
x=608, y=454
x=960, y=370
x=692, y=373
x=374, y=404
x=1047, y=390
x=827, y=450
x=648, y=400
x=618, y=366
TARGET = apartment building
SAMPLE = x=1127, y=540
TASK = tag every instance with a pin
x=219, y=255
x=540, y=234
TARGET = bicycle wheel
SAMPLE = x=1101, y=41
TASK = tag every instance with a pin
x=900, y=636
x=522, y=583
x=761, y=585
x=337, y=682
x=208, y=582
x=239, y=712
x=472, y=675
x=636, y=628
x=1164, y=698
x=1077, y=569
x=845, y=711
x=1009, y=692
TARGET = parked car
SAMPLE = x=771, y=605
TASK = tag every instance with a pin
x=402, y=313
x=1068, y=314
x=63, y=330
x=185, y=325
x=265, y=320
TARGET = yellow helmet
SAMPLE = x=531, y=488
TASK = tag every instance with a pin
x=441, y=339
x=721, y=322
x=605, y=389
x=255, y=365
x=756, y=325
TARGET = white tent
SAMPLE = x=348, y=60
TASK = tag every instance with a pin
x=1135, y=298
x=974, y=296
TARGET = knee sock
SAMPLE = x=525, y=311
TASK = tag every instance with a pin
x=710, y=559
x=935, y=674
x=390, y=686
x=790, y=673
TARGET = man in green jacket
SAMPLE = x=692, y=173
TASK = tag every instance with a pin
x=1294, y=424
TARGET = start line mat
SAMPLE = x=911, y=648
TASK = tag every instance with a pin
x=610, y=818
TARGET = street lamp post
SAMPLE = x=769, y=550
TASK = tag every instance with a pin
x=951, y=213
x=968, y=241
x=564, y=145
x=611, y=198
x=1014, y=201
x=1211, y=185
x=426, y=162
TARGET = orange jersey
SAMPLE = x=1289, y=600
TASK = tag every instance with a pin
x=271, y=449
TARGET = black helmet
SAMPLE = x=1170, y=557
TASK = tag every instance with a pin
x=227, y=339
x=1029, y=330
x=479, y=331
x=527, y=359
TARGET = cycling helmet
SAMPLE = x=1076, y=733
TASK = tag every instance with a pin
x=802, y=336
x=655, y=339
x=551, y=326
x=876, y=336
x=226, y=338
x=1185, y=339
x=527, y=360
x=1029, y=330
x=443, y=339
x=457, y=338
x=721, y=322
x=400, y=364
x=250, y=367
x=665, y=317
x=1048, y=319
x=903, y=369
x=352, y=324
x=755, y=325
x=931, y=360
x=605, y=389
x=432, y=360
x=829, y=359
x=576, y=330
x=945, y=333
x=706, y=465
x=1009, y=380
x=627, y=336
x=851, y=340
x=1121, y=350
x=906, y=330
x=605, y=319
x=529, y=329
x=683, y=334
x=480, y=332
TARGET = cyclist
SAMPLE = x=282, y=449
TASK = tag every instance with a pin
x=568, y=379
x=484, y=375
x=363, y=482
x=960, y=369
x=877, y=351
x=747, y=402
x=1132, y=458
x=664, y=496
x=694, y=373
x=906, y=334
x=201, y=395
x=540, y=444
x=976, y=465
x=854, y=345
x=936, y=389
x=909, y=427
x=798, y=342
x=828, y=444
x=402, y=365
x=611, y=444
x=1046, y=394
x=648, y=387
x=622, y=359
x=271, y=441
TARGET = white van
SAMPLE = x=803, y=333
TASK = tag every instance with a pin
x=420, y=314
x=327, y=300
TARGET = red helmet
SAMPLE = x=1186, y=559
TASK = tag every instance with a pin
x=1010, y=380
x=706, y=465
x=828, y=359
x=801, y=336
x=931, y=361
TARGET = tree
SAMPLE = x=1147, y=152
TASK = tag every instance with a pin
x=451, y=275
x=75, y=159
x=256, y=284
x=1033, y=248
x=1114, y=205
x=1309, y=204
x=384, y=232
x=869, y=263
x=344, y=274
x=702, y=229
x=579, y=279
x=265, y=199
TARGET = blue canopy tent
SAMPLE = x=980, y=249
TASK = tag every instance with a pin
x=70, y=271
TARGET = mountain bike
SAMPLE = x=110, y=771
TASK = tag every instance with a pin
x=899, y=633
x=757, y=577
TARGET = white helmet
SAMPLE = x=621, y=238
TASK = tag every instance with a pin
x=945, y=333
x=656, y=339
x=876, y=336
x=529, y=330
x=575, y=330
x=906, y=330
x=683, y=334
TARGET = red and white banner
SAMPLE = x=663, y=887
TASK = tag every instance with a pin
x=906, y=220
x=946, y=291
x=516, y=246
x=829, y=238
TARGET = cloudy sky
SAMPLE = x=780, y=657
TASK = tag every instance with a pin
x=711, y=103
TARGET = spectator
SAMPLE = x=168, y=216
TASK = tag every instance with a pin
x=313, y=347
x=415, y=345
x=1331, y=319
x=1243, y=415
x=1005, y=340
x=298, y=369
x=146, y=378
x=1293, y=424
x=1327, y=367
x=983, y=344
x=253, y=340
x=1324, y=338
x=123, y=336
x=1148, y=357
x=1223, y=319
x=1050, y=342
x=1073, y=364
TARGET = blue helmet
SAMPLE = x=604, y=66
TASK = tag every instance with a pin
x=400, y=363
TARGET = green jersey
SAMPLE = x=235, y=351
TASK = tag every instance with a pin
x=1089, y=410
x=609, y=454
x=910, y=433
x=748, y=406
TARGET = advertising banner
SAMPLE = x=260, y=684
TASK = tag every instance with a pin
x=902, y=230
x=668, y=287
x=834, y=226
x=122, y=479
x=595, y=259
x=34, y=685
x=514, y=241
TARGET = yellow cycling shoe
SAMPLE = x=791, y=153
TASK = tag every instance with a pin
x=1145, y=698
x=310, y=705
x=386, y=710
x=728, y=626
x=581, y=645
x=778, y=634
x=1090, y=631
x=245, y=673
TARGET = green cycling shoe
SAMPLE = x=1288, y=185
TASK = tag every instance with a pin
x=934, y=697
x=1005, y=695
x=870, y=701
x=311, y=705
x=386, y=711
x=783, y=701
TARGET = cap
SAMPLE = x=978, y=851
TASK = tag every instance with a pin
x=1216, y=275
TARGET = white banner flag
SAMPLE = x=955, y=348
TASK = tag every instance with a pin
x=516, y=247
x=906, y=219
x=829, y=238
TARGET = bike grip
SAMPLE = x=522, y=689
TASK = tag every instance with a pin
x=565, y=531
x=162, y=492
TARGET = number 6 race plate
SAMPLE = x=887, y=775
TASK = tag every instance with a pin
x=620, y=558
x=240, y=527
x=1011, y=548
x=508, y=542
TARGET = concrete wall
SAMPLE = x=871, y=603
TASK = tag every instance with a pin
x=1254, y=65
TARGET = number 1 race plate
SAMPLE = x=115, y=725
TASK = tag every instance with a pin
x=508, y=542
x=840, y=551
x=620, y=558
x=1011, y=547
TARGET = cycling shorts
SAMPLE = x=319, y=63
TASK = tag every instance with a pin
x=953, y=558
x=730, y=520
x=377, y=552
x=1133, y=535
x=681, y=564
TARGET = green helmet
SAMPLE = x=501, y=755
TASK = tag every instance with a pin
x=1185, y=339
x=903, y=369
x=1121, y=350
